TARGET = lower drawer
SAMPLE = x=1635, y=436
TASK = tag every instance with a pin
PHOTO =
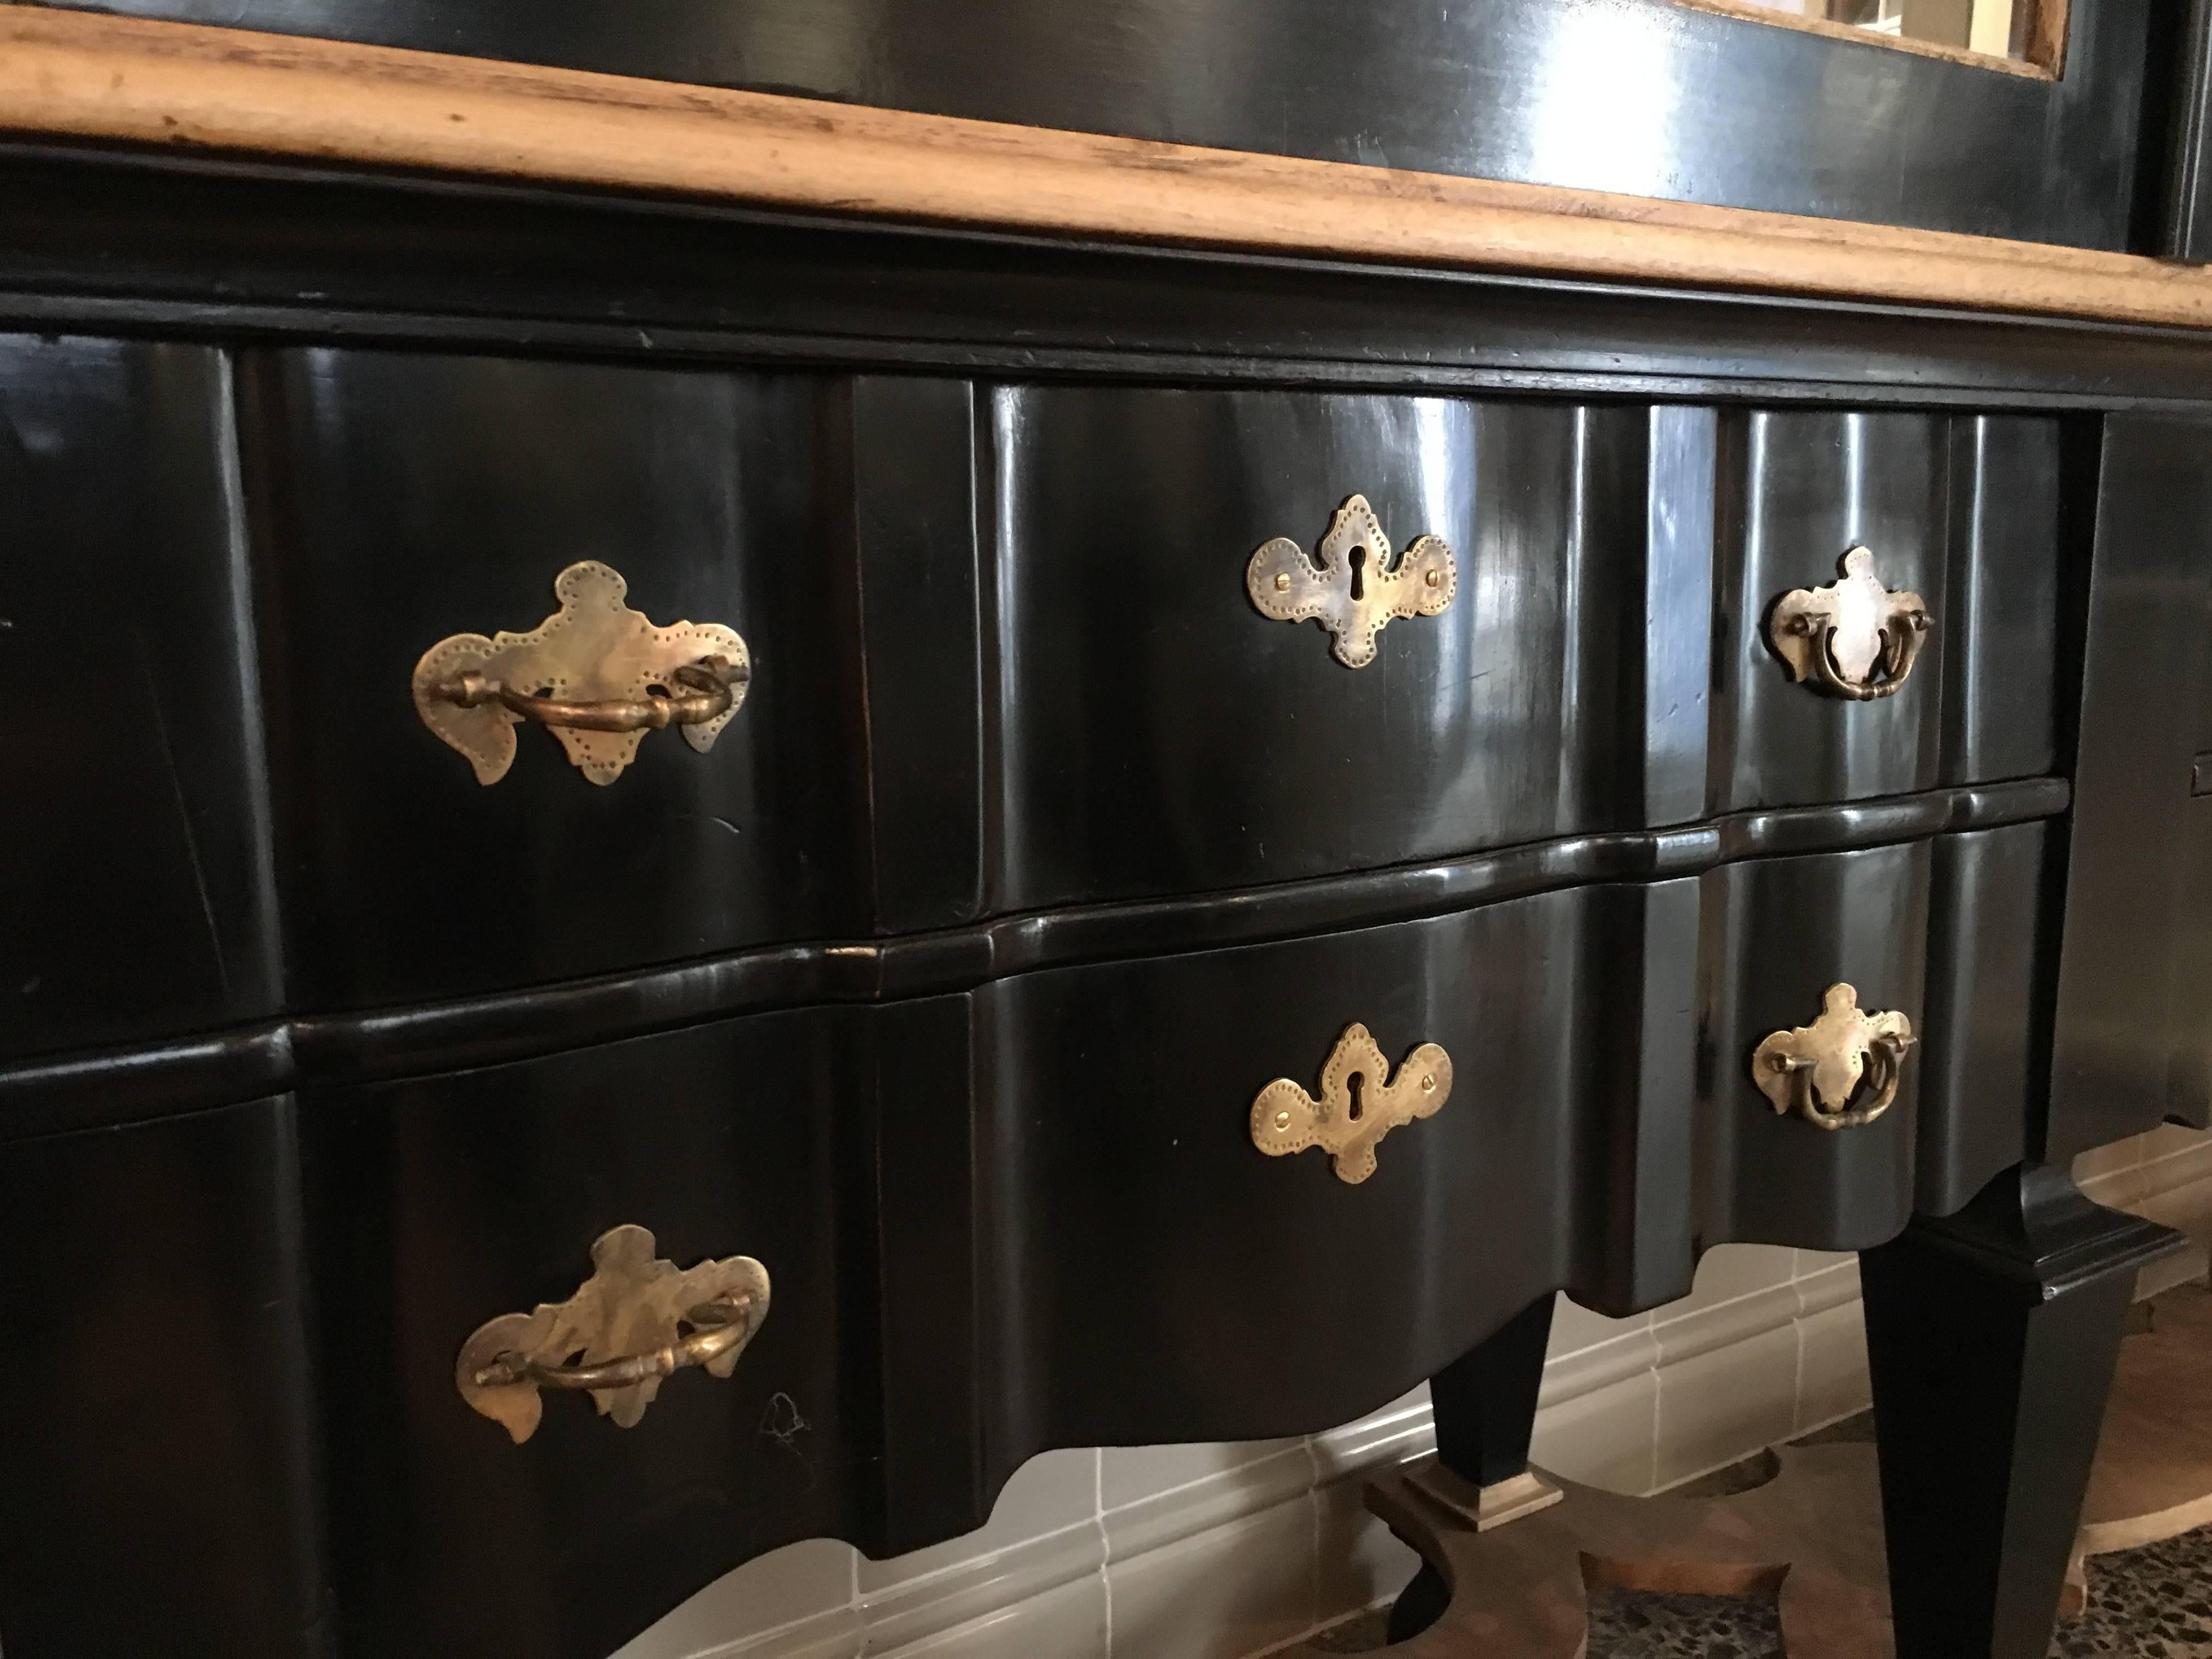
x=155, y=1419
x=1043, y=1212
x=436, y=1205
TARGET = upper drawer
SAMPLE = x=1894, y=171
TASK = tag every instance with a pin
x=409, y=499
x=135, y=888
x=1595, y=652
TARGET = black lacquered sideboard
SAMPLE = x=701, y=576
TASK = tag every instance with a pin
x=882, y=848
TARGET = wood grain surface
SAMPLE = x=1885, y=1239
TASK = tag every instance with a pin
x=177, y=87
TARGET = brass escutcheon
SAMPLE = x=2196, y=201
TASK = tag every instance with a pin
x=1360, y=1102
x=1854, y=636
x=1356, y=588
x=1814, y=1070
x=596, y=673
x=624, y=1322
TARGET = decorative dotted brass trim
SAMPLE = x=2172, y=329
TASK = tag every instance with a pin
x=1358, y=587
x=598, y=674
x=1357, y=1106
x=1814, y=1070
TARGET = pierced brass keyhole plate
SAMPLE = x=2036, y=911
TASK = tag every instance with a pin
x=1359, y=1104
x=597, y=673
x=1357, y=587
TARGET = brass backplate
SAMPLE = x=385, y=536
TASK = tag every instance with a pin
x=1816, y=1069
x=1357, y=587
x=593, y=649
x=631, y=1308
x=1853, y=636
x=1359, y=1104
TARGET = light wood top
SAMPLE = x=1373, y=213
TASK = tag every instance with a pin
x=172, y=86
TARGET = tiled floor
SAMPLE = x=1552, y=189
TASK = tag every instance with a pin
x=2154, y=1602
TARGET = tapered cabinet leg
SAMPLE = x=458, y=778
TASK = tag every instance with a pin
x=1992, y=1336
x=1486, y=1410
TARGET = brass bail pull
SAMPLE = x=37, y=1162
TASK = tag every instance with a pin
x=1815, y=1070
x=1854, y=636
x=711, y=686
x=718, y=1326
x=622, y=1332
x=597, y=674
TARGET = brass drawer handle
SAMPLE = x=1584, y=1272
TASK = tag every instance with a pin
x=1814, y=1070
x=624, y=1323
x=595, y=673
x=1360, y=1102
x=712, y=682
x=1355, y=590
x=1855, y=637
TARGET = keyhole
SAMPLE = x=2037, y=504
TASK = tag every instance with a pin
x=1356, y=1083
x=1359, y=582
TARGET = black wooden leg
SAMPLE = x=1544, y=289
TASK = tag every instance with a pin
x=1993, y=1335
x=1485, y=1408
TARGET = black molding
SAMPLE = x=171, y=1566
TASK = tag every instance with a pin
x=189, y=1075
x=94, y=241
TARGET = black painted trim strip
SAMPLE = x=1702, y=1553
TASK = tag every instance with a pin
x=159, y=1079
x=97, y=241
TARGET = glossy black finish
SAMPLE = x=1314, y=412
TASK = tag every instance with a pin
x=2135, y=995
x=1579, y=93
x=2184, y=231
x=135, y=886
x=1486, y=1400
x=1992, y=1337
x=410, y=1040
x=157, y=1416
x=434, y=1206
x=104, y=241
x=400, y=500
x=1983, y=1061
x=1777, y=933
x=1157, y=732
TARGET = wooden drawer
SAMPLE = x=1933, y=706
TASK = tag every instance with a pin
x=406, y=499
x=436, y=1205
x=1602, y=1128
x=1963, y=511
x=135, y=887
x=1605, y=661
x=156, y=1416
x=1160, y=734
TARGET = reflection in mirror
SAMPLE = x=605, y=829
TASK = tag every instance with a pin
x=2025, y=32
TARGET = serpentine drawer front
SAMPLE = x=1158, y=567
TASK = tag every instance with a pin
x=419, y=498
x=444, y=1210
x=129, y=748
x=1572, y=627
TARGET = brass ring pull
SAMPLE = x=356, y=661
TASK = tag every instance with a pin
x=718, y=1326
x=595, y=673
x=1814, y=1070
x=712, y=682
x=1854, y=636
x=617, y=1337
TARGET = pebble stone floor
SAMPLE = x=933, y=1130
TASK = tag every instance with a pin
x=2154, y=1602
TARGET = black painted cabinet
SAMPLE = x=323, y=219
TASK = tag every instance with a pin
x=134, y=882
x=945, y=981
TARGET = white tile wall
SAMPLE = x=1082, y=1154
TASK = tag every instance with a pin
x=1216, y=1552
